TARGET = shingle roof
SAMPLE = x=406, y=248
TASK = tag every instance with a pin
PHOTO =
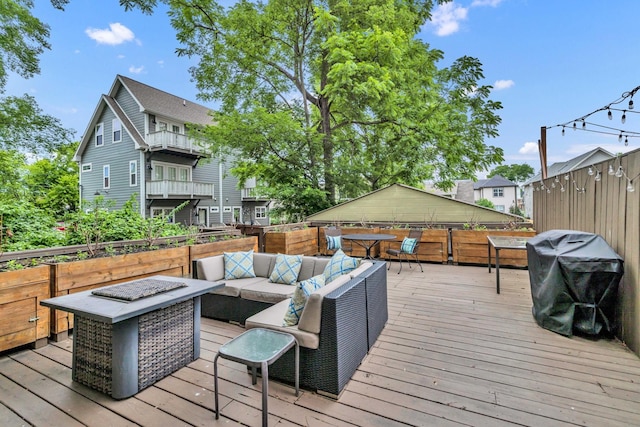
x=560, y=168
x=155, y=101
x=495, y=181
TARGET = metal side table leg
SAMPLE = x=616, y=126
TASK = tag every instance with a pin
x=215, y=385
x=265, y=393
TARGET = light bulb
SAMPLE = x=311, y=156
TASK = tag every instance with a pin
x=620, y=137
x=566, y=177
x=562, y=130
x=557, y=179
x=609, y=114
x=553, y=185
x=626, y=140
x=624, y=117
x=584, y=124
x=630, y=188
x=611, y=171
x=574, y=125
x=619, y=172
x=598, y=177
x=590, y=171
x=562, y=188
x=548, y=190
x=631, y=104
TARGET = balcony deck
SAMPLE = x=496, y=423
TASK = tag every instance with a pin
x=453, y=353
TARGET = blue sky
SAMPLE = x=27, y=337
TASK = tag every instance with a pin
x=549, y=62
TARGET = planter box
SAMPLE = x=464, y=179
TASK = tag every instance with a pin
x=22, y=319
x=471, y=247
x=216, y=248
x=433, y=244
x=77, y=276
x=295, y=242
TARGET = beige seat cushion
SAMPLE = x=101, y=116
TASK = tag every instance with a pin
x=266, y=291
x=272, y=317
x=233, y=288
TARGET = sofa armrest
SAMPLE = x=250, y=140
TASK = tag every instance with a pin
x=210, y=268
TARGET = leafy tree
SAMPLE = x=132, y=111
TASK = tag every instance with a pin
x=330, y=100
x=53, y=182
x=486, y=203
x=517, y=173
x=12, y=170
x=23, y=125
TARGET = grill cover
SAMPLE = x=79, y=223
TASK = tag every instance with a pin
x=574, y=279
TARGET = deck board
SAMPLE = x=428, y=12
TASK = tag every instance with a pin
x=453, y=353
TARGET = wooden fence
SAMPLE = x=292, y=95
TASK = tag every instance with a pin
x=607, y=208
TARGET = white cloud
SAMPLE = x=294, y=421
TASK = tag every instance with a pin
x=115, y=35
x=503, y=84
x=447, y=17
x=121, y=56
x=136, y=70
x=529, y=148
x=161, y=63
x=492, y=3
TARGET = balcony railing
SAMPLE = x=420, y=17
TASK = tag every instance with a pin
x=180, y=189
x=167, y=140
x=252, y=194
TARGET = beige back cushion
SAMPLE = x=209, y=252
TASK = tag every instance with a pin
x=211, y=268
x=312, y=312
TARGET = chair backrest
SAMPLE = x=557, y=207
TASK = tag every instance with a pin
x=332, y=231
x=336, y=242
x=415, y=233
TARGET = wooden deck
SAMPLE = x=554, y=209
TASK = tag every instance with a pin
x=453, y=353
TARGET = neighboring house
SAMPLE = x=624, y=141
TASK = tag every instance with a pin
x=592, y=157
x=498, y=190
x=136, y=144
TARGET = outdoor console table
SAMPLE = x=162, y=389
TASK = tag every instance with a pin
x=257, y=348
x=130, y=335
x=367, y=241
x=504, y=242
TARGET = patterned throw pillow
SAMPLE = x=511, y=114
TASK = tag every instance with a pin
x=300, y=297
x=286, y=269
x=408, y=245
x=238, y=265
x=339, y=264
x=334, y=243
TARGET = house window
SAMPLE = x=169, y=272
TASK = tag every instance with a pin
x=117, y=130
x=106, y=175
x=498, y=192
x=175, y=129
x=499, y=208
x=86, y=167
x=261, y=212
x=133, y=173
x=99, y=134
x=164, y=212
x=171, y=172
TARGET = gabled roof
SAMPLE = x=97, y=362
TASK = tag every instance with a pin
x=580, y=161
x=400, y=203
x=151, y=101
x=495, y=181
x=158, y=102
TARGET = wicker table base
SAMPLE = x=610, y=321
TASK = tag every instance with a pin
x=121, y=347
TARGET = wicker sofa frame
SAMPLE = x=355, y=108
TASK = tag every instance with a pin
x=353, y=317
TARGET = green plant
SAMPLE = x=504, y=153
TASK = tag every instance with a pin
x=109, y=250
x=61, y=258
x=13, y=265
x=80, y=255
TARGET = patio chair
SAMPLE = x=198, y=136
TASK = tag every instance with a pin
x=333, y=236
x=408, y=247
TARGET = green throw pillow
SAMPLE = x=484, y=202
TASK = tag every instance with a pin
x=286, y=269
x=338, y=265
x=300, y=297
x=238, y=265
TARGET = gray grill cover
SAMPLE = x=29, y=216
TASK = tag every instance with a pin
x=574, y=279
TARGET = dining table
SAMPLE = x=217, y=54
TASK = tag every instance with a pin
x=368, y=240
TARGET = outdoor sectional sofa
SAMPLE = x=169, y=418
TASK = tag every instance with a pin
x=339, y=324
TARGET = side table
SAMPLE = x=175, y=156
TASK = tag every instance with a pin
x=257, y=348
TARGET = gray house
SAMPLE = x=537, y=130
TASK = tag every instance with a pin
x=136, y=144
x=499, y=190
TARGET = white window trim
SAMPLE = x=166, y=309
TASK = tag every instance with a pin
x=99, y=126
x=498, y=190
x=154, y=209
x=133, y=163
x=86, y=167
x=113, y=130
x=261, y=212
x=106, y=177
x=178, y=167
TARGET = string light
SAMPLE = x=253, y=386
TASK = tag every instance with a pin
x=619, y=172
x=590, y=172
x=611, y=171
x=609, y=114
x=624, y=117
x=630, y=188
x=598, y=177
x=631, y=101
